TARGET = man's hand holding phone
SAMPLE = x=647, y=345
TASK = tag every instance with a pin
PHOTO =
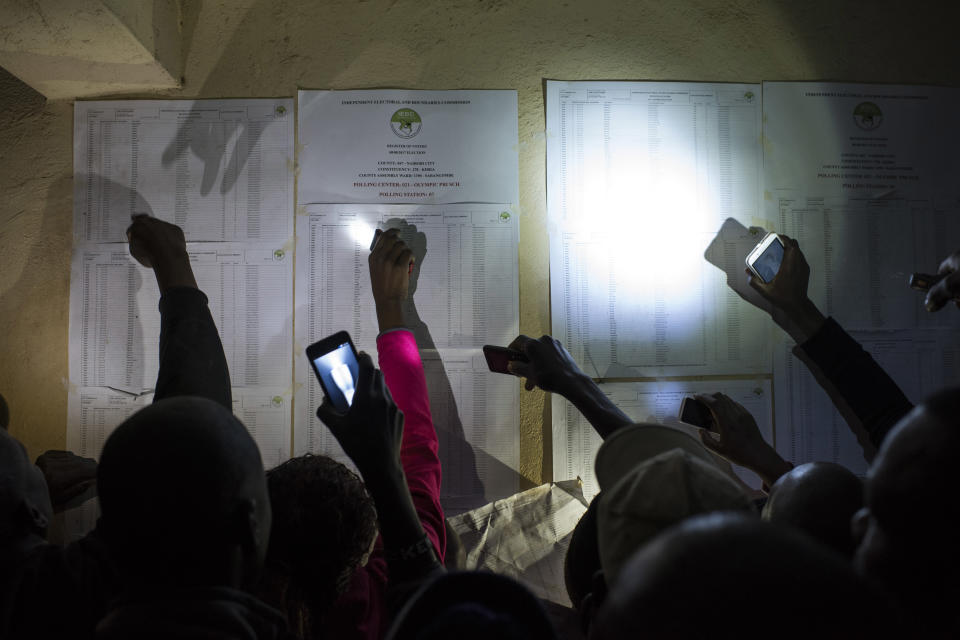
x=787, y=293
x=371, y=430
x=391, y=263
x=162, y=247
x=737, y=438
x=548, y=365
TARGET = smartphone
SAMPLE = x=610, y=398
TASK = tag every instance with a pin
x=334, y=360
x=765, y=258
x=923, y=281
x=499, y=357
x=697, y=414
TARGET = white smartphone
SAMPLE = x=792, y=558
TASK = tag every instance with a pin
x=765, y=258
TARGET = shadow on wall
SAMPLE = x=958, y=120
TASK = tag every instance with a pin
x=35, y=347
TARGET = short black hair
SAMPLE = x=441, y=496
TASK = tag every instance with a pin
x=323, y=523
x=170, y=480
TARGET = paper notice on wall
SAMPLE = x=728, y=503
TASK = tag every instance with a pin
x=221, y=170
x=464, y=294
x=397, y=146
x=640, y=177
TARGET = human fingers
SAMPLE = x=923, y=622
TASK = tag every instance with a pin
x=519, y=343
x=329, y=415
x=74, y=490
x=788, y=242
x=756, y=283
x=383, y=240
x=519, y=368
x=365, y=379
x=709, y=440
x=950, y=263
x=529, y=385
x=405, y=259
x=943, y=292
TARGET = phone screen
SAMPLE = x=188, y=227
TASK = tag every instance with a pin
x=696, y=413
x=769, y=261
x=338, y=371
x=498, y=358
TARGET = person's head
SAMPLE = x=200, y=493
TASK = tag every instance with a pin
x=324, y=525
x=818, y=498
x=728, y=575
x=651, y=477
x=472, y=605
x=183, y=497
x=25, y=507
x=907, y=529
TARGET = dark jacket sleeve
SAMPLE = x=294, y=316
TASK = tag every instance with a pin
x=192, y=361
x=870, y=401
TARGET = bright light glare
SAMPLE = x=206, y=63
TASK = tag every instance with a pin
x=362, y=233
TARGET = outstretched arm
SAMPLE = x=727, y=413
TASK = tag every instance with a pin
x=859, y=387
x=550, y=367
x=192, y=361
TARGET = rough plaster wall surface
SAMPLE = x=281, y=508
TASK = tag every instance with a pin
x=272, y=47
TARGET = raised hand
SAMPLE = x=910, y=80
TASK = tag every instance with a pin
x=161, y=246
x=371, y=431
x=68, y=476
x=549, y=366
x=738, y=439
x=391, y=263
x=792, y=308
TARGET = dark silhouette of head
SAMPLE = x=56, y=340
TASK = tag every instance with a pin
x=907, y=529
x=818, y=498
x=25, y=509
x=729, y=575
x=472, y=605
x=183, y=497
x=324, y=525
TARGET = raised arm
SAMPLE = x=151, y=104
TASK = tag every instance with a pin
x=738, y=439
x=192, y=361
x=551, y=368
x=372, y=431
x=863, y=392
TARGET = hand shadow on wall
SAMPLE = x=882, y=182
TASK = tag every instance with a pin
x=462, y=488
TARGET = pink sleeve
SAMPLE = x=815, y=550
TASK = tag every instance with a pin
x=403, y=372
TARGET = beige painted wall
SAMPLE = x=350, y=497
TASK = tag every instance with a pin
x=271, y=47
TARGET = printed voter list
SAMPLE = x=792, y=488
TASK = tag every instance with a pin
x=413, y=147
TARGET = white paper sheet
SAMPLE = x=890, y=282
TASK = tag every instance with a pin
x=396, y=146
x=640, y=176
x=575, y=441
x=525, y=536
x=115, y=322
x=862, y=177
x=809, y=427
x=223, y=171
x=466, y=295
x=220, y=169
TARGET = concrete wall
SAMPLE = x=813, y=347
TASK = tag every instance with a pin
x=70, y=48
x=271, y=47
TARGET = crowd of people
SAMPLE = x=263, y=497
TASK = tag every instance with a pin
x=196, y=540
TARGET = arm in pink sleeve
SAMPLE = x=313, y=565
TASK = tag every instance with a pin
x=403, y=372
